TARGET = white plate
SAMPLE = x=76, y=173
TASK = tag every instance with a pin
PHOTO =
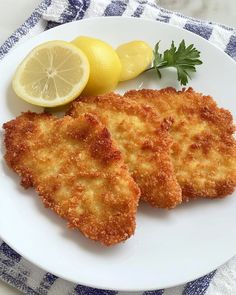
x=169, y=247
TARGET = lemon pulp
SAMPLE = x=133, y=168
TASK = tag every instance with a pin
x=52, y=74
x=135, y=57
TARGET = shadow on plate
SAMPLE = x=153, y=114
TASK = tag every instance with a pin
x=198, y=204
x=146, y=210
x=16, y=105
x=150, y=80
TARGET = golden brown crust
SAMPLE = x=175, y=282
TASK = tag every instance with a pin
x=204, y=150
x=77, y=170
x=144, y=142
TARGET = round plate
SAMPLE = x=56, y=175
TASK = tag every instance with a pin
x=169, y=247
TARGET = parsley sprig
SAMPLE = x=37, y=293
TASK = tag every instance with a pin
x=184, y=59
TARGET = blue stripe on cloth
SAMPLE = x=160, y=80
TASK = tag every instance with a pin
x=156, y=292
x=69, y=14
x=81, y=6
x=25, y=28
x=7, y=262
x=199, y=286
x=48, y=280
x=75, y=10
x=231, y=47
x=139, y=10
x=202, y=30
x=18, y=283
x=116, y=8
x=83, y=290
x=51, y=25
x=163, y=18
x=225, y=27
x=9, y=252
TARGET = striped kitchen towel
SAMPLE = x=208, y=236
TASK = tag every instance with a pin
x=28, y=278
x=51, y=13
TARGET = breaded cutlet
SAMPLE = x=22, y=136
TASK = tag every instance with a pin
x=77, y=170
x=144, y=142
x=204, y=149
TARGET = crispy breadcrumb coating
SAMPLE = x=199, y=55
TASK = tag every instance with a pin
x=144, y=142
x=204, y=150
x=77, y=170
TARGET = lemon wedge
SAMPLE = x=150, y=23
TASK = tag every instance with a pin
x=52, y=74
x=105, y=66
x=135, y=57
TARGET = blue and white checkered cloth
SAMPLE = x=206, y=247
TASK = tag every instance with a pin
x=28, y=278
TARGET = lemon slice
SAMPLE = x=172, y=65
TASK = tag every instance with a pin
x=135, y=57
x=52, y=74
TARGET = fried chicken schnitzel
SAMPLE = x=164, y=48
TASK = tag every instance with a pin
x=144, y=142
x=77, y=170
x=204, y=150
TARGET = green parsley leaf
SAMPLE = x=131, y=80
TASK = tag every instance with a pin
x=184, y=59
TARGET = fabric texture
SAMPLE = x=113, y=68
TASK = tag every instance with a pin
x=17, y=271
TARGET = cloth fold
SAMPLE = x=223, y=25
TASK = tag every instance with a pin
x=28, y=278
